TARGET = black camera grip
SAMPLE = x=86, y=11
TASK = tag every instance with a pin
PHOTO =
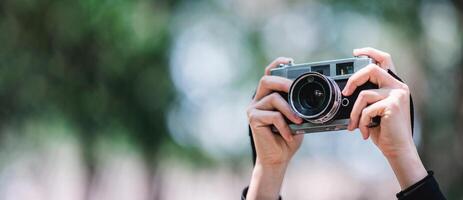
x=374, y=122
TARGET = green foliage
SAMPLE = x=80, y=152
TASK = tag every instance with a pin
x=102, y=65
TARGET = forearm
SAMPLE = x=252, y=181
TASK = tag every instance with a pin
x=266, y=182
x=407, y=167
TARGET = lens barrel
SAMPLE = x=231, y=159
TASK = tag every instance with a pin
x=315, y=97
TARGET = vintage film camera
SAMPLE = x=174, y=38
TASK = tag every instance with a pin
x=315, y=94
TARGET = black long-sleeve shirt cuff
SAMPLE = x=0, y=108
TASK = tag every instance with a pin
x=427, y=188
x=245, y=192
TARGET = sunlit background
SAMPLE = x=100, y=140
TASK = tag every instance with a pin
x=146, y=99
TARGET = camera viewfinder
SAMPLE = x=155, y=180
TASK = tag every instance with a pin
x=344, y=68
x=322, y=69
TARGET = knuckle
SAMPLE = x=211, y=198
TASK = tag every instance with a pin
x=364, y=113
x=375, y=69
x=403, y=94
x=387, y=56
x=405, y=87
x=277, y=116
x=395, y=105
x=371, y=68
x=263, y=80
x=368, y=49
x=252, y=117
x=249, y=110
x=274, y=97
x=362, y=95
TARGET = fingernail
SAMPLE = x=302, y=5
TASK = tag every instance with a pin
x=355, y=50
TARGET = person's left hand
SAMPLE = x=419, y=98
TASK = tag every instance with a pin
x=391, y=102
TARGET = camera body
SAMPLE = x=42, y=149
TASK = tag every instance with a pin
x=315, y=95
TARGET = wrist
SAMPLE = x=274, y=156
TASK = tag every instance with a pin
x=266, y=181
x=407, y=166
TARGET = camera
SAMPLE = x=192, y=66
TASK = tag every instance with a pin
x=315, y=94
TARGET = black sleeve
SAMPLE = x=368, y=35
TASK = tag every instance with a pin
x=427, y=188
x=245, y=192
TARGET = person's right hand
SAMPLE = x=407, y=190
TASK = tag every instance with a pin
x=267, y=109
x=274, y=150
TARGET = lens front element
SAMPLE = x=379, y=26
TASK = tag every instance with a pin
x=315, y=97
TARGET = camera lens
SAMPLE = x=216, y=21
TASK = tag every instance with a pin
x=315, y=97
x=311, y=96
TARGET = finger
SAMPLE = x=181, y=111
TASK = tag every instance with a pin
x=266, y=118
x=276, y=62
x=297, y=139
x=372, y=73
x=276, y=119
x=384, y=59
x=376, y=109
x=365, y=98
x=275, y=101
x=268, y=84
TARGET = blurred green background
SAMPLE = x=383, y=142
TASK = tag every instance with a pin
x=146, y=99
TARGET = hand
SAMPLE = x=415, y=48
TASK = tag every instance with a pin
x=274, y=150
x=391, y=102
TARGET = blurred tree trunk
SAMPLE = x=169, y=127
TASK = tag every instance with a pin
x=442, y=144
x=459, y=108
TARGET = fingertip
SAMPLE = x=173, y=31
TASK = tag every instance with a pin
x=297, y=136
x=367, y=133
x=364, y=134
x=353, y=124
x=286, y=88
x=289, y=137
x=355, y=52
x=296, y=119
x=351, y=127
x=346, y=90
x=349, y=92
